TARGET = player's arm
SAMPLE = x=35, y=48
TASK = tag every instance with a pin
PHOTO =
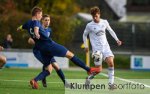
x=85, y=34
x=36, y=26
x=22, y=27
x=113, y=34
x=36, y=32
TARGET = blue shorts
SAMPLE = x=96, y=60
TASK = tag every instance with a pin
x=52, y=49
x=57, y=50
x=45, y=59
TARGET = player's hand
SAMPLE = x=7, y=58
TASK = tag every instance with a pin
x=119, y=42
x=19, y=28
x=37, y=36
x=1, y=48
x=86, y=49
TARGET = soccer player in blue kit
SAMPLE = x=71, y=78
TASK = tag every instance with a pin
x=45, y=23
x=48, y=48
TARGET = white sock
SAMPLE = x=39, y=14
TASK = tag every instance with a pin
x=111, y=75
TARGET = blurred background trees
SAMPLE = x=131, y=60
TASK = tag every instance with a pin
x=68, y=30
x=15, y=12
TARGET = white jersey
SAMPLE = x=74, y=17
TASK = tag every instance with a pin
x=97, y=34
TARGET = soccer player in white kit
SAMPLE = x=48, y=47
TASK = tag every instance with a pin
x=96, y=29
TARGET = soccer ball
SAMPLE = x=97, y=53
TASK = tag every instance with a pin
x=97, y=56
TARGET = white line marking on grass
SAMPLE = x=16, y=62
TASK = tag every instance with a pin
x=125, y=80
x=22, y=81
x=103, y=74
x=13, y=80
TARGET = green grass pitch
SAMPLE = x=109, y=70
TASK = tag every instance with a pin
x=16, y=80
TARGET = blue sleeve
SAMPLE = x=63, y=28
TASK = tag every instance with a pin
x=25, y=26
x=36, y=23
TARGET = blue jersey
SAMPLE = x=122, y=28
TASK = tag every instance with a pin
x=29, y=26
x=45, y=44
x=44, y=36
x=48, y=31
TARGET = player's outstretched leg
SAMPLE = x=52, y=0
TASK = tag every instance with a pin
x=81, y=64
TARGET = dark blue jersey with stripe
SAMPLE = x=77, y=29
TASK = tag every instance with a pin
x=45, y=44
x=31, y=24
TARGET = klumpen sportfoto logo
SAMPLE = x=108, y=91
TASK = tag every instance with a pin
x=124, y=86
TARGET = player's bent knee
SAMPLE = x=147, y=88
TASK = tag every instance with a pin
x=111, y=64
x=69, y=54
x=49, y=68
x=55, y=66
x=109, y=61
x=3, y=59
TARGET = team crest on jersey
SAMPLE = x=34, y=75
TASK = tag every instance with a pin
x=100, y=32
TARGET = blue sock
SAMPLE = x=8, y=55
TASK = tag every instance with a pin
x=61, y=75
x=42, y=75
x=80, y=63
x=43, y=69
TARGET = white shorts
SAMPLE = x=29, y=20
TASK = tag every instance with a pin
x=106, y=52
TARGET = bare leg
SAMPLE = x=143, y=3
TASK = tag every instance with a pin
x=2, y=61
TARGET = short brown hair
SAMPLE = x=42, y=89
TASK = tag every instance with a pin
x=95, y=10
x=35, y=10
x=45, y=15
